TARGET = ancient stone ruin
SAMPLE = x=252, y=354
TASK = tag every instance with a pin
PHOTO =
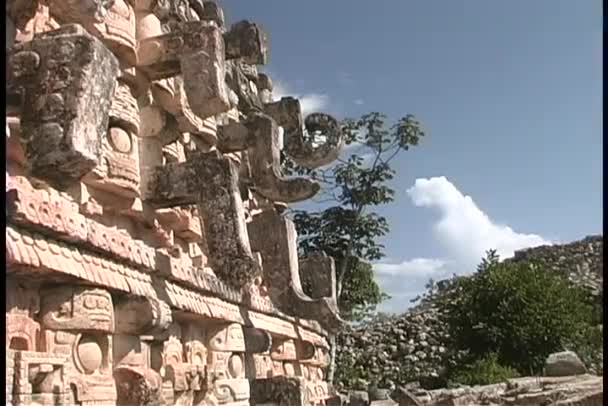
x=148, y=260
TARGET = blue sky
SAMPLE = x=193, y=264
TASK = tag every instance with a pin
x=509, y=93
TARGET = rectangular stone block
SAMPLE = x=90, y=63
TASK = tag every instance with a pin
x=67, y=78
x=196, y=51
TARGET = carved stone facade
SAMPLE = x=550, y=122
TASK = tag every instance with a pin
x=146, y=263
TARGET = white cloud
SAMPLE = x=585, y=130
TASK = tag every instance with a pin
x=358, y=102
x=310, y=102
x=463, y=229
x=416, y=267
x=464, y=233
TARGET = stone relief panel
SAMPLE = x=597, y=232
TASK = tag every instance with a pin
x=60, y=74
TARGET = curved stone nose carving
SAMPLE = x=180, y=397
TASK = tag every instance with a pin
x=274, y=236
x=300, y=134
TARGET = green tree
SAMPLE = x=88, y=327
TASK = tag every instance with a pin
x=518, y=311
x=345, y=226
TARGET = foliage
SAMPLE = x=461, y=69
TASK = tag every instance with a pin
x=485, y=371
x=345, y=226
x=518, y=311
x=360, y=292
x=588, y=344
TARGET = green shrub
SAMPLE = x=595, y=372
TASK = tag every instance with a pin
x=518, y=311
x=588, y=344
x=485, y=371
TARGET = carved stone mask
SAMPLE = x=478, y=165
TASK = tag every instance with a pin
x=77, y=308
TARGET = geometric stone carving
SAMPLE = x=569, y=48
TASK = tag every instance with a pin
x=62, y=74
x=283, y=350
x=274, y=236
x=301, y=145
x=77, y=308
x=210, y=181
x=196, y=51
x=228, y=338
x=142, y=316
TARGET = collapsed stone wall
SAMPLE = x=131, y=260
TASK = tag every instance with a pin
x=412, y=346
x=582, y=262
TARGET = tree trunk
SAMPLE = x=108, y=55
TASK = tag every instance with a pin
x=332, y=338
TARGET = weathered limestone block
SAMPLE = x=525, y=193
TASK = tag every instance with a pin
x=111, y=21
x=280, y=390
x=172, y=13
x=171, y=95
x=306, y=147
x=318, y=274
x=274, y=237
x=265, y=87
x=211, y=181
x=137, y=386
x=247, y=97
x=264, y=158
x=196, y=51
x=248, y=42
x=63, y=73
x=213, y=12
x=564, y=363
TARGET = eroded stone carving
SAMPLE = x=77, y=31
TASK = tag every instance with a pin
x=300, y=142
x=197, y=51
x=210, y=181
x=248, y=42
x=260, y=135
x=62, y=74
x=274, y=237
x=112, y=21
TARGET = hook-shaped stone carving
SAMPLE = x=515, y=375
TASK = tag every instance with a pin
x=211, y=181
x=260, y=136
x=300, y=135
x=264, y=157
x=274, y=236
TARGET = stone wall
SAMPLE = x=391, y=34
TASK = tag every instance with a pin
x=581, y=261
x=411, y=346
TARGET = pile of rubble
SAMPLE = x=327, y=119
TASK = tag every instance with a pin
x=566, y=383
x=396, y=350
x=412, y=346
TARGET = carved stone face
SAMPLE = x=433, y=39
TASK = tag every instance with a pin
x=77, y=308
x=228, y=338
